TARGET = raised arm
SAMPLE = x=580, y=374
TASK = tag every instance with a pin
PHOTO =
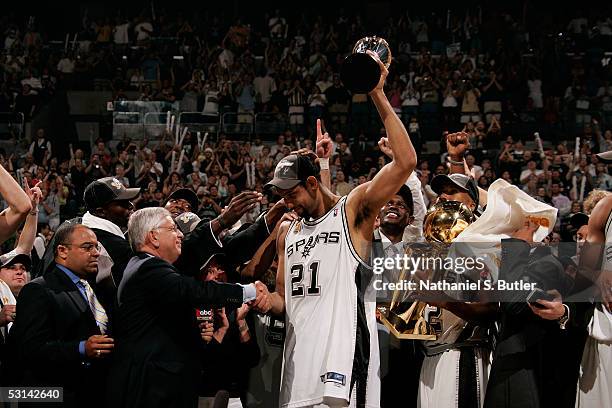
x=265, y=254
x=371, y=196
x=26, y=239
x=456, y=146
x=18, y=205
x=324, y=150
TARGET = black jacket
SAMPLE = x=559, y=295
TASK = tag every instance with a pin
x=200, y=245
x=226, y=365
x=53, y=317
x=157, y=340
x=119, y=250
x=535, y=363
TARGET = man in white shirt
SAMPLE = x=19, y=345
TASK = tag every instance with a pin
x=40, y=148
x=264, y=86
x=32, y=81
x=66, y=65
x=323, y=83
x=121, y=32
x=256, y=148
x=531, y=170
x=278, y=147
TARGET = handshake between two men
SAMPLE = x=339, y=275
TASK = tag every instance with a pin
x=262, y=303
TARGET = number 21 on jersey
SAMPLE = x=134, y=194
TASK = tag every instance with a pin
x=298, y=284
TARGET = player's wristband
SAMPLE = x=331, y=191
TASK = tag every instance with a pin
x=324, y=163
x=453, y=162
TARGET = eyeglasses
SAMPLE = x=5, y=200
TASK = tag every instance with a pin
x=171, y=229
x=87, y=246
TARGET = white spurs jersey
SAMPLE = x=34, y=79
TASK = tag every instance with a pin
x=607, y=261
x=331, y=331
x=600, y=326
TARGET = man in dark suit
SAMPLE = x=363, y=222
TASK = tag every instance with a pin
x=157, y=362
x=109, y=207
x=60, y=335
x=537, y=357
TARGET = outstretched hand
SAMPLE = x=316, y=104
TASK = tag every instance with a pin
x=262, y=303
x=240, y=205
x=34, y=193
x=324, y=143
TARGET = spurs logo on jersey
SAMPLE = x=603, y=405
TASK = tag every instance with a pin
x=322, y=319
x=306, y=245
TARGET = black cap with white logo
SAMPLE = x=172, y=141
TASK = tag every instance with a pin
x=292, y=170
x=187, y=222
x=105, y=190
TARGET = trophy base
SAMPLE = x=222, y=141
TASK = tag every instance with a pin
x=360, y=73
x=405, y=336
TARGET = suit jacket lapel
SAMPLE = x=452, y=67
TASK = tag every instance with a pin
x=70, y=289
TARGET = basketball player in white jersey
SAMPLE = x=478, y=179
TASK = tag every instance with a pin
x=331, y=348
x=595, y=382
x=456, y=365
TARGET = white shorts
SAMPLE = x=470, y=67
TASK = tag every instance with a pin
x=595, y=381
x=439, y=380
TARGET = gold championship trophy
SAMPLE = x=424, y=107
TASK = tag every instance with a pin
x=405, y=317
x=360, y=72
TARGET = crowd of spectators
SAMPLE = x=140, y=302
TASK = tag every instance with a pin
x=481, y=70
x=464, y=65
